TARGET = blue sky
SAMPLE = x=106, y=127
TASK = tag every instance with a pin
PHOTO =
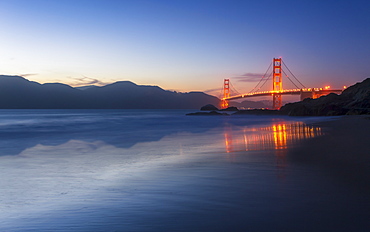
x=184, y=45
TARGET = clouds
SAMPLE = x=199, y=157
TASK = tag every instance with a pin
x=249, y=77
x=28, y=75
x=84, y=81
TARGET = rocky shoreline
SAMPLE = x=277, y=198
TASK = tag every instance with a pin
x=355, y=100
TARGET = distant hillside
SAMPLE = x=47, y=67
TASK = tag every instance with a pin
x=85, y=87
x=19, y=93
x=252, y=104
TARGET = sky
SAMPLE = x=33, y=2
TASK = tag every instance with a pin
x=185, y=45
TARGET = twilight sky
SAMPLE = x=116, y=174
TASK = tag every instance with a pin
x=184, y=45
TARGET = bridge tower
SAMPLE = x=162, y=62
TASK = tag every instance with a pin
x=277, y=84
x=225, y=103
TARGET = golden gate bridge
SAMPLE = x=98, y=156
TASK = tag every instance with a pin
x=277, y=87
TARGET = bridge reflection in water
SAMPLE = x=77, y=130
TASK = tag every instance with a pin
x=277, y=137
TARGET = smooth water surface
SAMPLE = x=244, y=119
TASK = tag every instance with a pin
x=159, y=170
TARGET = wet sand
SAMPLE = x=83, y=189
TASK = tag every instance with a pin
x=344, y=150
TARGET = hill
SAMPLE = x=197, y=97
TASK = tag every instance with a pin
x=19, y=93
x=252, y=104
x=353, y=100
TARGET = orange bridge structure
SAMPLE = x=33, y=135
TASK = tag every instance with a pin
x=277, y=88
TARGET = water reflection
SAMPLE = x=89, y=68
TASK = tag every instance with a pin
x=278, y=136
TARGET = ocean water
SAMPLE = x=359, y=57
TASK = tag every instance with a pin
x=159, y=170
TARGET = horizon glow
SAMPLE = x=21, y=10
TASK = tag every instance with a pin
x=184, y=45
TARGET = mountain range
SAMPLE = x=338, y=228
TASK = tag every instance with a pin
x=17, y=92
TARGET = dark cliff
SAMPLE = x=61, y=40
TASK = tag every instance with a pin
x=354, y=100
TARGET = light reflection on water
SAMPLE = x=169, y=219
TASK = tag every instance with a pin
x=277, y=136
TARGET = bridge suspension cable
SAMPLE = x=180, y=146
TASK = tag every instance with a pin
x=286, y=75
x=231, y=89
x=262, y=80
x=234, y=89
x=293, y=75
x=266, y=79
x=220, y=95
x=277, y=89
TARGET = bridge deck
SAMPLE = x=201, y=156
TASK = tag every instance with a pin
x=319, y=91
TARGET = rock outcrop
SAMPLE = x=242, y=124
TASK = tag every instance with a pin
x=208, y=107
x=230, y=108
x=354, y=100
x=212, y=113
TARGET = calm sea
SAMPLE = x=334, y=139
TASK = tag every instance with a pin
x=159, y=170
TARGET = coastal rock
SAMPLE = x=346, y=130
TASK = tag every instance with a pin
x=358, y=95
x=212, y=113
x=208, y=107
x=231, y=108
x=353, y=100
